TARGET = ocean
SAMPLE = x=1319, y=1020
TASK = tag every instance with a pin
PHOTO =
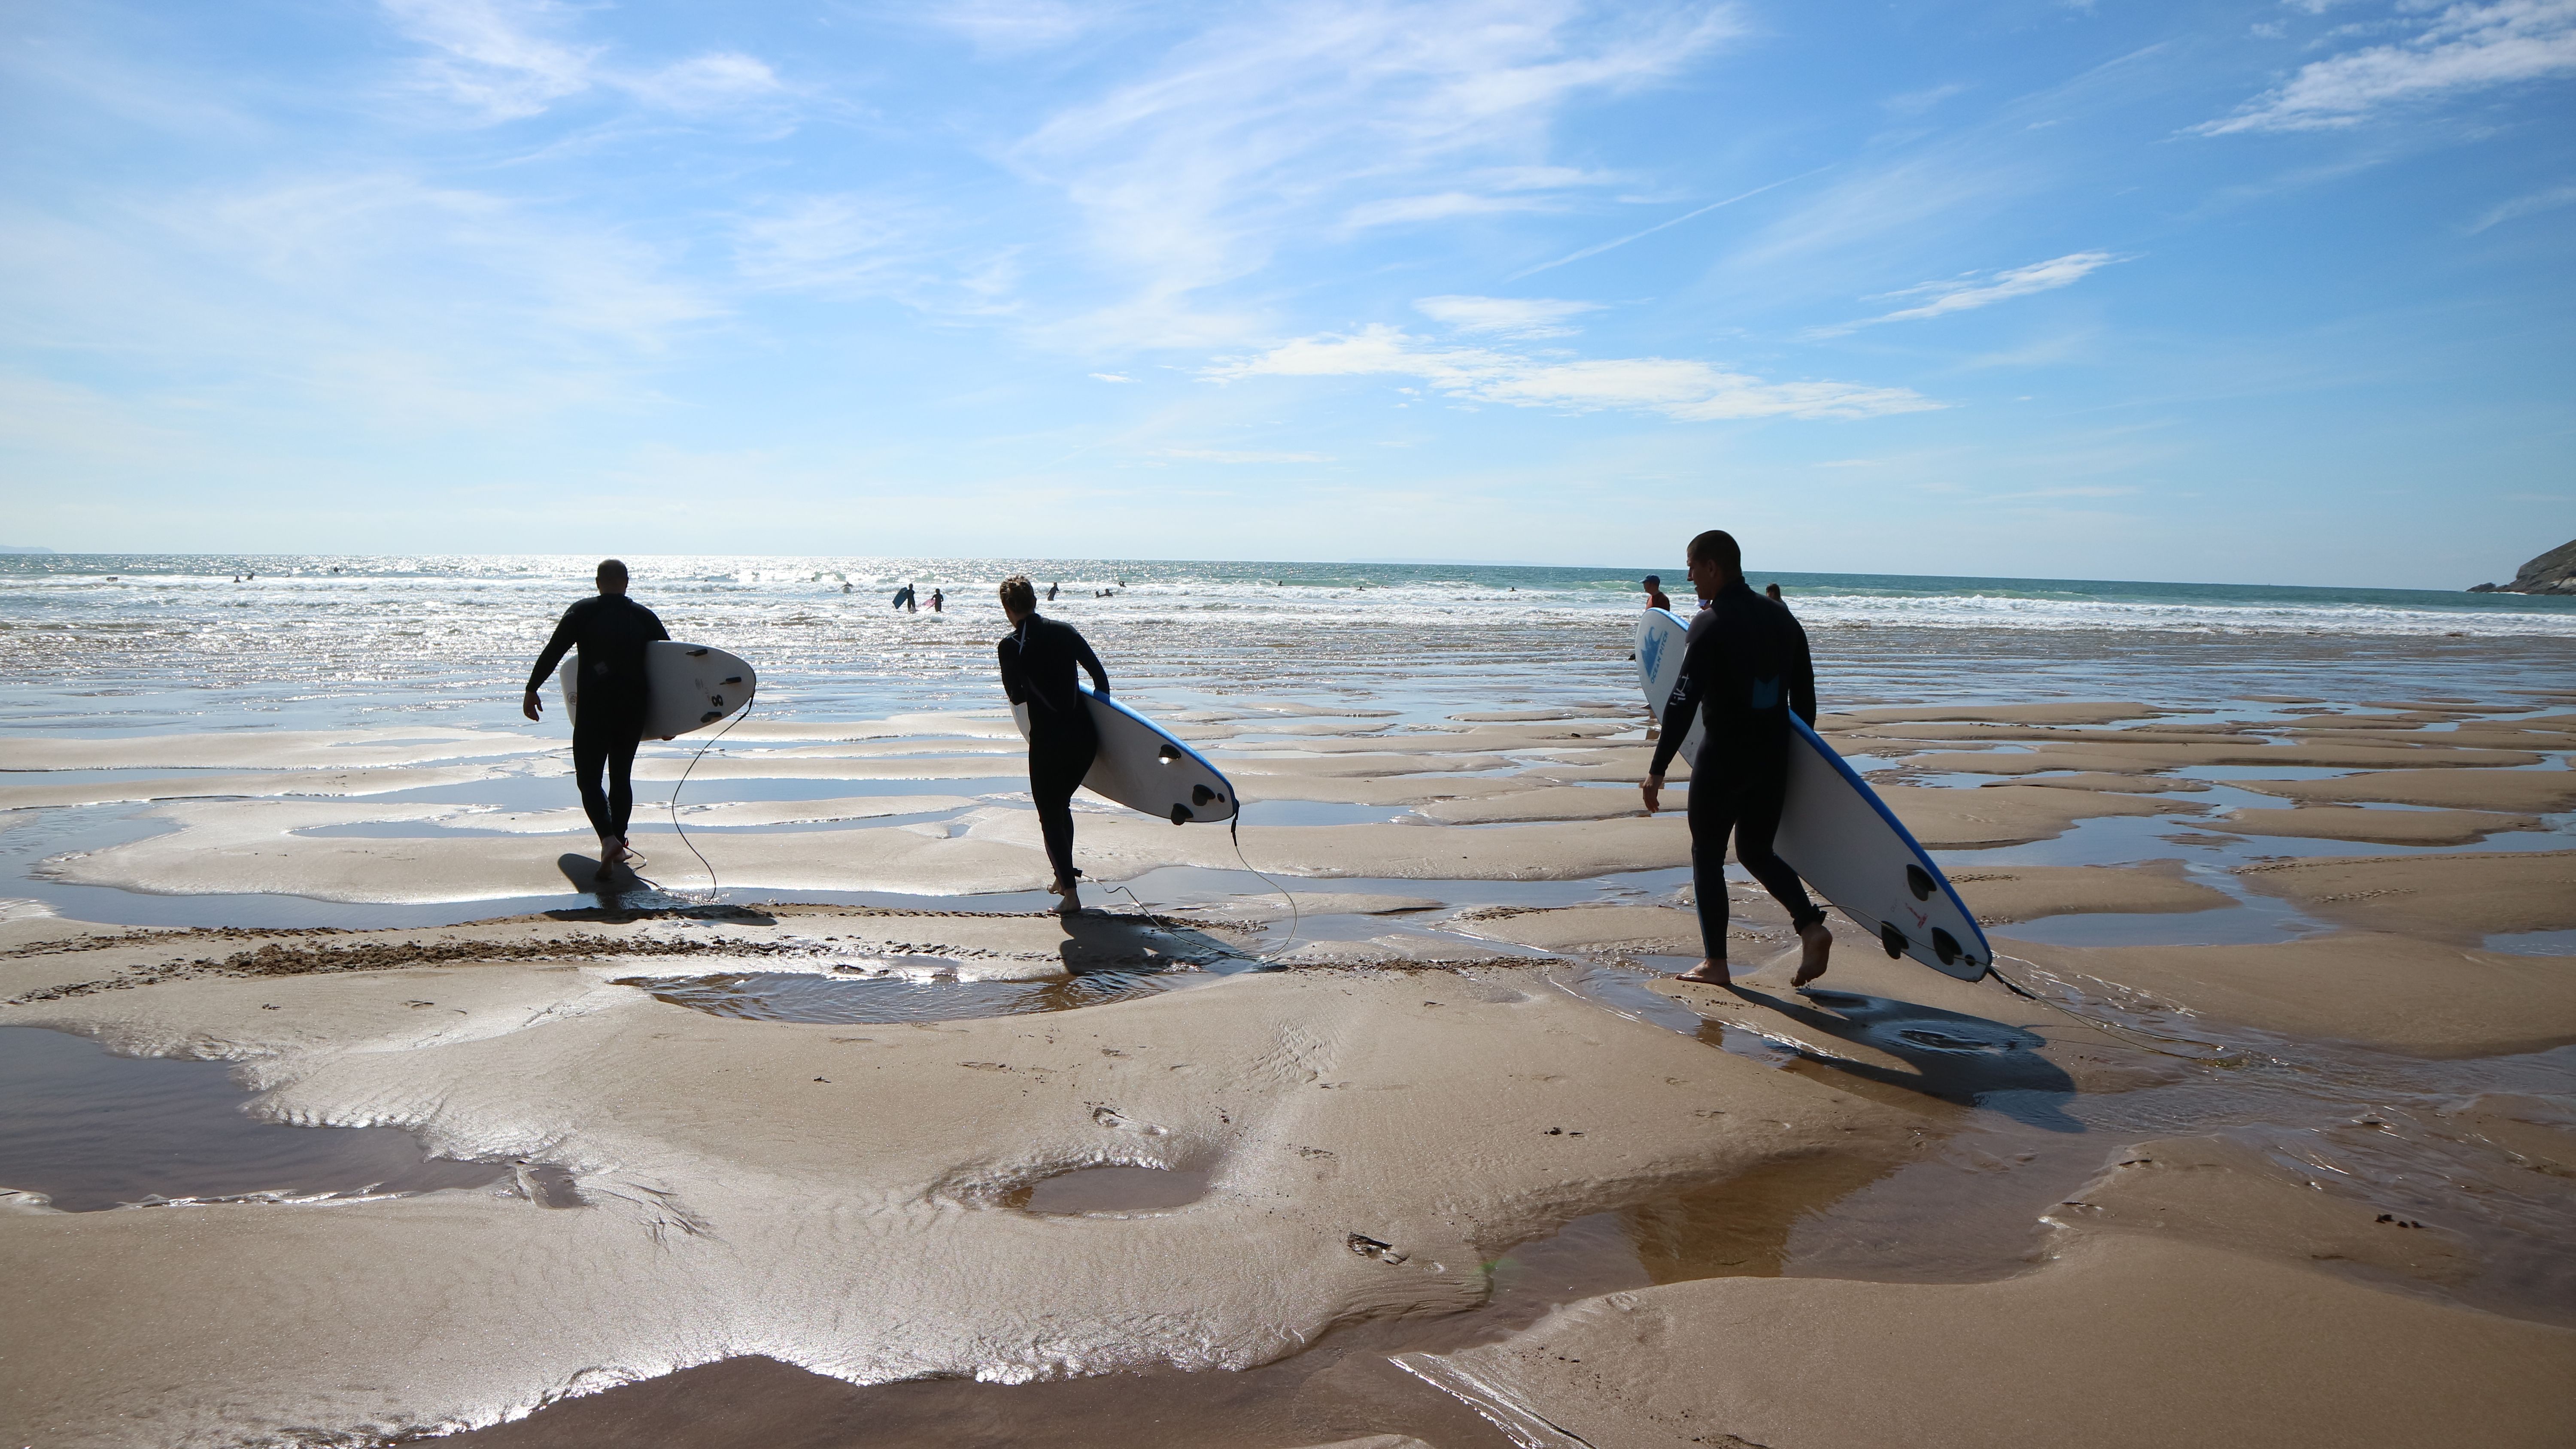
x=121, y=643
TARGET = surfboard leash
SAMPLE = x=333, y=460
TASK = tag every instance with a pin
x=1234, y=833
x=2144, y=1041
x=739, y=716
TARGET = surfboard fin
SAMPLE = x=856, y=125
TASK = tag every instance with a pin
x=1919, y=881
x=1181, y=814
x=1945, y=946
x=1893, y=939
x=1201, y=794
x=1169, y=754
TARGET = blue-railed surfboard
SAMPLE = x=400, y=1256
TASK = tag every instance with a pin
x=694, y=686
x=1143, y=768
x=1837, y=834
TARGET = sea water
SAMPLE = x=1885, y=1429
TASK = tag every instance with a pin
x=115, y=643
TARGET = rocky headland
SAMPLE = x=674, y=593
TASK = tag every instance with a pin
x=2553, y=572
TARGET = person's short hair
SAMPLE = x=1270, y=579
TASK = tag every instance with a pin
x=612, y=568
x=1019, y=594
x=1653, y=581
x=1717, y=546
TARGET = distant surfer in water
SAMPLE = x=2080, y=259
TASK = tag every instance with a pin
x=610, y=630
x=1653, y=584
x=1744, y=669
x=938, y=602
x=1038, y=661
x=1771, y=592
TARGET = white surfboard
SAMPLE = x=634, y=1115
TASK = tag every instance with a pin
x=1143, y=768
x=693, y=686
x=1837, y=834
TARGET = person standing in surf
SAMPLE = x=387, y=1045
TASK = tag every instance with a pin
x=1653, y=584
x=609, y=631
x=1039, y=657
x=1744, y=670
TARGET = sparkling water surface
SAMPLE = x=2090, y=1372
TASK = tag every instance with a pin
x=110, y=644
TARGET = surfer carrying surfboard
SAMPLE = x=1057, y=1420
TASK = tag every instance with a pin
x=610, y=630
x=1039, y=657
x=1744, y=670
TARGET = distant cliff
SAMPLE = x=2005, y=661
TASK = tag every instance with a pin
x=2553, y=572
x=21, y=548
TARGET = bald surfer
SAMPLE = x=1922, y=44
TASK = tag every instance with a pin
x=609, y=632
x=1744, y=670
x=1039, y=657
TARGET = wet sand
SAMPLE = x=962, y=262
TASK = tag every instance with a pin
x=874, y=1154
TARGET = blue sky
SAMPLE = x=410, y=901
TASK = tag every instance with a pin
x=2259, y=292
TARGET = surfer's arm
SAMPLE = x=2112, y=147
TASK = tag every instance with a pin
x=556, y=648
x=1013, y=684
x=1802, y=677
x=1684, y=703
x=1083, y=656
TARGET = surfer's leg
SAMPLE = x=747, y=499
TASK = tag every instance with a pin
x=1055, y=772
x=1754, y=831
x=589, y=755
x=1711, y=812
x=621, y=779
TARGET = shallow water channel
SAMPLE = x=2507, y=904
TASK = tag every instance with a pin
x=92, y=1130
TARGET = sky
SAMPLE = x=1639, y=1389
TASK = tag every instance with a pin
x=2258, y=292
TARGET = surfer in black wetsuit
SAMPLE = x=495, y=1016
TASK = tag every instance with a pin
x=1745, y=668
x=1038, y=661
x=610, y=630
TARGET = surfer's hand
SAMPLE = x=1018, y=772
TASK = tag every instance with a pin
x=1654, y=790
x=531, y=706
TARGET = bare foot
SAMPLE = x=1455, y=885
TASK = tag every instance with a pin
x=1068, y=899
x=1815, y=945
x=1711, y=971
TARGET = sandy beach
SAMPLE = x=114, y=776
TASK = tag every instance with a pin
x=2279, y=1142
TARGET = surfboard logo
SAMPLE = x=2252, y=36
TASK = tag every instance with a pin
x=1650, y=653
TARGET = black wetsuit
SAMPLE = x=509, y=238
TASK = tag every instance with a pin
x=1745, y=668
x=611, y=631
x=1038, y=662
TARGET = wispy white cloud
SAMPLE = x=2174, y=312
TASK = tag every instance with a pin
x=1329, y=118
x=1982, y=289
x=509, y=59
x=819, y=242
x=1678, y=388
x=1010, y=27
x=2547, y=199
x=1113, y=377
x=1505, y=316
x=2465, y=47
x=1438, y=206
x=1224, y=455
x=1915, y=103
x=1614, y=244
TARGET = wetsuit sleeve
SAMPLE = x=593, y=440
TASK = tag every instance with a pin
x=1802, y=674
x=1685, y=701
x=1083, y=656
x=566, y=635
x=1014, y=684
